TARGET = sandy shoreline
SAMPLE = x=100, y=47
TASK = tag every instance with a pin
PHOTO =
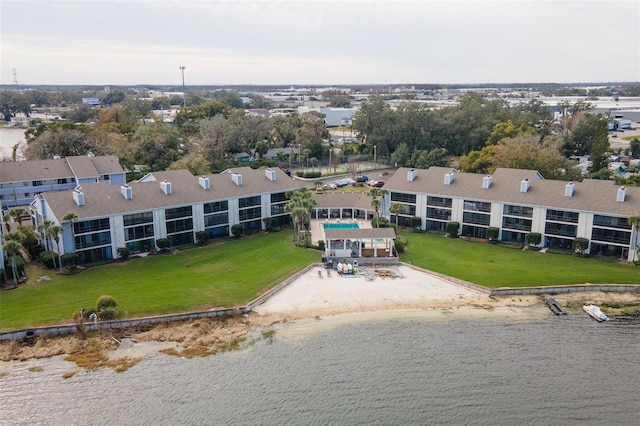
x=316, y=294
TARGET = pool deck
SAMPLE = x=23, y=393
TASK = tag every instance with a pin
x=317, y=226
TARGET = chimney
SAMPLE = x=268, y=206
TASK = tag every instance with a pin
x=569, y=189
x=237, y=178
x=78, y=197
x=448, y=179
x=486, y=182
x=166, y=187
x=270, y=174
x=204, y=182
x=524, y=185
x=621, y=195
x=411, y=175
x=126, y=192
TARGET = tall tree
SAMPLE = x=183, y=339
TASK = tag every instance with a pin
x=53, y=232
x=396, y=209
x=12, y=249
x=299, y=206
x=600, y=148
x=376, y=203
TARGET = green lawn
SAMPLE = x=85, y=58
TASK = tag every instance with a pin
x=225, y=275
x=237, y=271
x=496, y=266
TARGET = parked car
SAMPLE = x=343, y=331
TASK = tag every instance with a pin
x=319, y=191
x=377, y=183
x=361, y=179
x=329, y=186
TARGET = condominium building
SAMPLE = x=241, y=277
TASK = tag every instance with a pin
x=22, y=180
x=519, y=202
x=169, y=204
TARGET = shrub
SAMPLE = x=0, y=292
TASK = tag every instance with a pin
x=69, y=260
x=534, y=239
x=49, y=259
x=399, y=245
x=269, y=224
x=580, y=246
x=492, y=234
x=124, y=252
x=202, y=238
x=106, y=307
x=237, y=230
x=415, y=222
x=321, y=245
x=163, y=243
x=381, y=222
x=452, y=229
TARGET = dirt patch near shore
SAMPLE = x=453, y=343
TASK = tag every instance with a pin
x=204, y=337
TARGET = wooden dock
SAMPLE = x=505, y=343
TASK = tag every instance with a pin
x=554, y=306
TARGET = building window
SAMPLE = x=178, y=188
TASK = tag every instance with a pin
x=36, y=183
x=279, y=197
x=178, y=212
x=522, y=211
x=441, y=214
x=516, y=223
x=218, y=206
x=476, y=218
x=477, y=206
x=561, y=229
x=91, y=226
x=216, y=219
x=179, y=225
x=562, y=216
x=401, y=197
x=439, y=201
x=249, y=201
x=137, y=218
x=611, y=222
x=248, y=214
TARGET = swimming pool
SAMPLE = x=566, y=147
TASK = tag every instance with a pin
x=341, y=226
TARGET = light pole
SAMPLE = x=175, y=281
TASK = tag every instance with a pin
x=374, y=155
x=184, y=93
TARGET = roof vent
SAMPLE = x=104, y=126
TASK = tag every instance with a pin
x=78, y=197
x=411, y=175
x=621, y=195
x=448, y=179
x=270, y=174
x=486, y=182
x=166, y=187
x=237, y=178
x=204, y=182
x=525, y=185
x=126, y=192
x=569, y=189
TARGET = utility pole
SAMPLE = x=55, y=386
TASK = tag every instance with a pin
x=15, y=79
x=184, y=93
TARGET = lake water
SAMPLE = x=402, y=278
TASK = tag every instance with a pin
x=403, y=368
x=9, y=136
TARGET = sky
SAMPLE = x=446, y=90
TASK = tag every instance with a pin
x=271, y=42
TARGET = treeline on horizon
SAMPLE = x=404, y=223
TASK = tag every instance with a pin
x=478, y=134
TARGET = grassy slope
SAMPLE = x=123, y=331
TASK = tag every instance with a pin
x=495, y=266
x=225, y=275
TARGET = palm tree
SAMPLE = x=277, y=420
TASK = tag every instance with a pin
x=299, y=206
x=635, y=222
x=17, y=214
x=43, y=228
x=12, y=248
x=376, y=203
x=54, y=232
x=71, y=218
x=396, y=209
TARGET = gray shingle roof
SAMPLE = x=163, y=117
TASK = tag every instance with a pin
x=339, y=199
x=590, y=195
x=335, y=234
x=27, y=171
x=85, y=166
x=102, y=199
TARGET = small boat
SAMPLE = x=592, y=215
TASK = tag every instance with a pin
x=595, y=312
